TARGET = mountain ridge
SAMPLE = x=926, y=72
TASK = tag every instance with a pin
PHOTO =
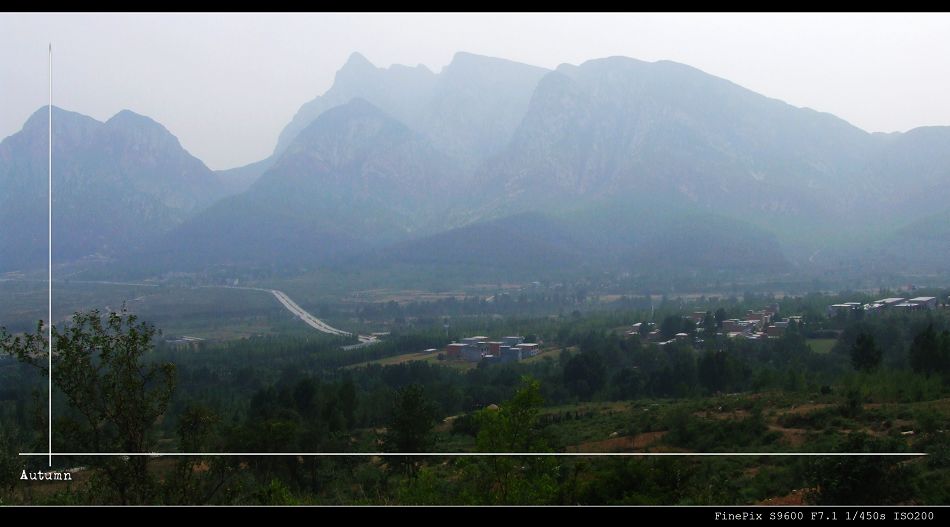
x=620, y=152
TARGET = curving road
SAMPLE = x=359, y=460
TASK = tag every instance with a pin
x=303, y=315
x=311, y=320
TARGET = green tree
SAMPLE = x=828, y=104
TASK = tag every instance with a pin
x=712, y=370
x=644, y=329
x=720, y=317
x=929, y=353
x=411, y=427
x=585, y=374
x=671, y=325
x=688, y=326
x=858, y=480
x=348, y=401
x=10, y=464
x=865, y=355
x=114, y=395
x=196, y=479
x=513, y=428
x=275, y=493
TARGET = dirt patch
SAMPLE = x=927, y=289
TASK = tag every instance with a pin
x=903, y=424
x=610, y=298
x=796, y=497
x=940, y=404
x=734, y=415
x=667, y=449
x=432, y=358
x=446, y=424
x=802, y=409
x=619, y=444
x=791, y=436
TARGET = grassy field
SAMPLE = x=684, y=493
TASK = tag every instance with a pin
x=432, y=358
x=210, y=313
x=547, y=353
x=821, y=345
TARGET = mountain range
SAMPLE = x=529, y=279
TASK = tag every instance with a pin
x=117, y=186
x=613, y=164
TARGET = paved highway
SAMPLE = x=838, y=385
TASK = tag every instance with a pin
x=302, y=314
x=312, y=321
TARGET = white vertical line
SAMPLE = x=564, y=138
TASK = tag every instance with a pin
x=50, y=306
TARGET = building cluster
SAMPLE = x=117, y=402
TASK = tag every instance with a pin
x=477, y=349
x=644, y=328
x=762, y=324
x=755, y=325
x=903, y=304
x=649, y=332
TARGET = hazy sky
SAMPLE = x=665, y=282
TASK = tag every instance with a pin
x=226, y=85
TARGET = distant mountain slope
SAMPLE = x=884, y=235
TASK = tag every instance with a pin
x=912, y=171
x=355, y=178
x=116, y=186
x=468, y=111
x=706, y=242
x=399, y=90
x=934, y=227
x=522, y=240
x=622, y=126
x=918, y=248
x=534, y=244
x=239, y=179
